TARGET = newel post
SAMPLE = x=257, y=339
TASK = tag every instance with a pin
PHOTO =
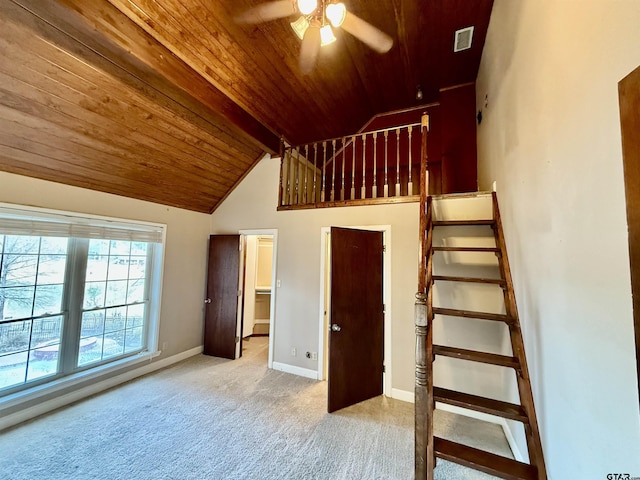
x=424, y=459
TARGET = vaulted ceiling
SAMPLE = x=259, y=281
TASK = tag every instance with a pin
x=173, y=101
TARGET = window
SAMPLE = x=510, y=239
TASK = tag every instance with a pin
x=75, y=293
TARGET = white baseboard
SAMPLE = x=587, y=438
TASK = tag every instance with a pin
x=517, y=454
x=403, y=395
x=513, y=445
x=100, y=385
x=302, y=372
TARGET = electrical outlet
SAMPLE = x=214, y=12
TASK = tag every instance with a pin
x=165, y=345
x=278, y=283
x=293, y=351
x=314, y=355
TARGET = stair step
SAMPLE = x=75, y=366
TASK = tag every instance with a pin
x=486, y=462
x=462, y=223
x=475, y=356
x=481, y=404
x=493, y=281
x=467, y=249
x=469, y=314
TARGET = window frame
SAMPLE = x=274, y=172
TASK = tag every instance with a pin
x=69, y=372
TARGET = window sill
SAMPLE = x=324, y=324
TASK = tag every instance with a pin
x=63, y=383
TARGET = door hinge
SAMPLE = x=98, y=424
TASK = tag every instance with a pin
x=239, y=293
x=384, y=248
x=384, y=369
x=384, y=307
x=237, y=339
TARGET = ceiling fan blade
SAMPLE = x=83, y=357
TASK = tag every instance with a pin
x=309, y=49
x=265, y=12
x=367, y=33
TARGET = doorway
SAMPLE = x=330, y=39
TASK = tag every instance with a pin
x=325, y=301
x=256, y=316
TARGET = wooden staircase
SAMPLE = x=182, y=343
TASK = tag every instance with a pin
x=429, y=447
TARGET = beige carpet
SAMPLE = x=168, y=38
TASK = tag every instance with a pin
x=208, y=418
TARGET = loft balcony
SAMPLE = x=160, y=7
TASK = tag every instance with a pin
x=368, y=168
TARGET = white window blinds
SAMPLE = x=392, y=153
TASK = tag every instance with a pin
x=38, y=222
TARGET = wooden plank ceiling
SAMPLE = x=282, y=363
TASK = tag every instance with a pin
x=173, y=102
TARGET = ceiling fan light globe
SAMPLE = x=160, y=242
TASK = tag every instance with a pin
x=336, y=13
x=326, y=36
x=300, y=26
x=307, y=7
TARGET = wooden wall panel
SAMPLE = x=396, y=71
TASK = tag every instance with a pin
x=458, y=139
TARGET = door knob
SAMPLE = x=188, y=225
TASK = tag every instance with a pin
x=335, y=327
x=207, y=300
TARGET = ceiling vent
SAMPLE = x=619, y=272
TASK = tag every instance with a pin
x=463, y=39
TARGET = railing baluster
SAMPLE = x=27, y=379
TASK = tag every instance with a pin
x=363, y=190
x=397, y=162
x=374, y=188
x=410, y=183
x=315, y=172
x=297, y=177
x=305, y=196
x=289, y=163
x=344, y=153
x=283, y=152
x=333, y=171
x=353, y=168
x=386, y=164
x=324, y=173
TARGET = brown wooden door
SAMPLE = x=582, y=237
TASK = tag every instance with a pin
x=629, y=90
x=221, y=305
x=356, y=338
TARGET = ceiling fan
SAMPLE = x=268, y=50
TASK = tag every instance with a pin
x=314, y=25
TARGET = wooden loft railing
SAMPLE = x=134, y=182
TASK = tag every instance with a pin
x=368, y=168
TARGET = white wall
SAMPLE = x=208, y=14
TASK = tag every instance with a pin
x=253, y=206
x=182, y=317
x=473, y=334
x=550, y=137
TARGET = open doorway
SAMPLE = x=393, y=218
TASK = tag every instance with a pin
x=325, y=301
x=256, y=322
